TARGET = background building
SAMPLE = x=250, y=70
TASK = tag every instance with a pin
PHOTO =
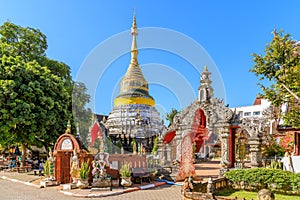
x=255, y=110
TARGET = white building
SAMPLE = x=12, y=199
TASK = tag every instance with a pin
x=255, y=110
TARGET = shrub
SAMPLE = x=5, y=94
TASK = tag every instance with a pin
x=258, y=178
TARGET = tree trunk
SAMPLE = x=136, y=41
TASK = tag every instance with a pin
x=23, y=154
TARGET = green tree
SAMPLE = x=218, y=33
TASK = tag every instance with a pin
x=280, y=66
x=170, y=115
x=35, y=91
x=82, y=116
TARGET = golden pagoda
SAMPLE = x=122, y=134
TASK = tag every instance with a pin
x=134, y=87
x=134, y=115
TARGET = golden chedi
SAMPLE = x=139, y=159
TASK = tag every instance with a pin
x=134, y=115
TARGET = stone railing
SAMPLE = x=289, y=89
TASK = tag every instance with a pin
x=153, y=161
x=206, y=190
x=221, y=183
x=135, y=161
x=214, y=185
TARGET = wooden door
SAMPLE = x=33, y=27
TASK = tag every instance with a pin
x=65, y=168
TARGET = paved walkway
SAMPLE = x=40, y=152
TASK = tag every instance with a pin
x=155, y=190
x=207, y=169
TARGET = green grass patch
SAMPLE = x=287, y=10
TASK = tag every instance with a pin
x=248, y=195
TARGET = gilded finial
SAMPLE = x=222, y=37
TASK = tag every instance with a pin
x=134, y=49
x=68, y=130
x=205, y=68
x=134, y=30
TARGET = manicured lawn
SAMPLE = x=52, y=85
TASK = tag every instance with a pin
x=249, y=195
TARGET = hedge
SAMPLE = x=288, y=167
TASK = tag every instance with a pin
x=259, y=178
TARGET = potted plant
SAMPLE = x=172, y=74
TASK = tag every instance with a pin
x=46, y=167
x=125, y=173
x=83, y=175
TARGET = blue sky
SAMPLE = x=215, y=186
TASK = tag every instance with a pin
x=228, y=31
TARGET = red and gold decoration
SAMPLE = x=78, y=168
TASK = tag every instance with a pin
x=196, y=135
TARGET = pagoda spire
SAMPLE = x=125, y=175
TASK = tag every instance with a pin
x=134, y=88
x=134, y=49
x=205, y=90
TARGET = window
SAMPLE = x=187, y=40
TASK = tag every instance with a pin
x=247, y=114
x=240, y=113
x=256, y=113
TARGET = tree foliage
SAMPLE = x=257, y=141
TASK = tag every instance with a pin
x=82, y=116
x=280, y=66
x=35, y=91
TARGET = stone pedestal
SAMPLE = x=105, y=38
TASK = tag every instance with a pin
x=69, y=186
x=47, y=183
x=101, y=183
x=82, y=183
x=255, y=151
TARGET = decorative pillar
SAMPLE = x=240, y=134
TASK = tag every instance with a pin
x=224, y=150
x=255, y=151
x=161, y=152
x=168, y=154
x=210, y=186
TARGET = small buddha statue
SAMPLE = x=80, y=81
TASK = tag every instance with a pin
x=74, y=167
x=51, y=165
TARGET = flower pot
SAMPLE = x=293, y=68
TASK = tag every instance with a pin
x=82, y=183
x=126, y=182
